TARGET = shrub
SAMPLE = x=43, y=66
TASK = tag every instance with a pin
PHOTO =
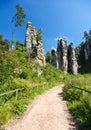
x=79, y=102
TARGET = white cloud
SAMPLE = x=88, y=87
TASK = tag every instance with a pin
x=55, y=39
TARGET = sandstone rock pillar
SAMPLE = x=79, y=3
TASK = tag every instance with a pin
x=54, y=60
x=72, y=61
x=33, y=45
x=62, y=54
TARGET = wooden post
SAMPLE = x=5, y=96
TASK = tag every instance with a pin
x=83, y=93
x=16, y=94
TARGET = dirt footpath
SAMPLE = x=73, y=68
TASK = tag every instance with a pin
x=47, y=112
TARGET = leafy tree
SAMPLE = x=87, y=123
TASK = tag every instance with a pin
x=4, y=61
x=1, y=37
x=33, y=52
x=18, y=19
x=20, y=52
x=4, y=44
x=10, y=62
x=87, y=35
x=48, y=57
x=39, y=35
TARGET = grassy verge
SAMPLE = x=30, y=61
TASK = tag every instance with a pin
x=11, y=108
x=33, y=85
x=79, y=102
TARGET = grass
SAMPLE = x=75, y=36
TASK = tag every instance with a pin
x=79, y=102
x=10, y=108
x=33, y=85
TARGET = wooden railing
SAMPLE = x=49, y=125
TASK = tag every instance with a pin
x=12, y=91
x=82, y=89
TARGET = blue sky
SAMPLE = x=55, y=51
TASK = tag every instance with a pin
x=56, y=18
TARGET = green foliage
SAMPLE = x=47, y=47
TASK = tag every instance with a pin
x=4, y=44
x=79, y=102
x=20, y=52
x=84, y=65
x=18, y=19
x=7, y=64
x=11, y=62
x=12, y=107
x=19, y=16
x=15, y=73
x=39, y=35
x=51, y=74
x=17, y=107
x=33, y=52
x=5, y=113
x=87, y=35
x=48, y=57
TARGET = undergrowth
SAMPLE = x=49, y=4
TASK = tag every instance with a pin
x=33, y=85
x=10, y=107
x=79, y=102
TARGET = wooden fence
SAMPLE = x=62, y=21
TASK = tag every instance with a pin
x=82, y=89
x=12, y=91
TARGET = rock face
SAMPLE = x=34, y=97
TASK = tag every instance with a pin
x=62, y=54
x=54, y=60
x=33, y=45
x=84, y=56
x=64, y=58
x=87, y=50
x=72, y=61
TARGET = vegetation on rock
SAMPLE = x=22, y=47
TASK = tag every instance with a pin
x=83, y=53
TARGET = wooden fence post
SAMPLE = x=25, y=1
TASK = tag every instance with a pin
x=16, y=94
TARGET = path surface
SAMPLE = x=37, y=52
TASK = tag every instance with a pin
x=47, y=112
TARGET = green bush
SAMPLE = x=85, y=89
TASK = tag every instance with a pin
x=5, y=113
x=71, y=94
x=18, y=107
x=51, y=73
x=79, y=102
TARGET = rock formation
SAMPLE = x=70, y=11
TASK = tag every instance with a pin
x=84, y=56
x=72, y=61
x=87, y=50
x=54, y=60
x=64, y=58
x=62, y=54
x=33, y=45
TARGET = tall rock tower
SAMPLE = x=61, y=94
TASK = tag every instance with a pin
x=72, y=61
x=31, y=35
x=64, y=57
x=62, y=54
x=54, y=60
x=34, y=45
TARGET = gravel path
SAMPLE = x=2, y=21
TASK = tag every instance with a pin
x=47, y=112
